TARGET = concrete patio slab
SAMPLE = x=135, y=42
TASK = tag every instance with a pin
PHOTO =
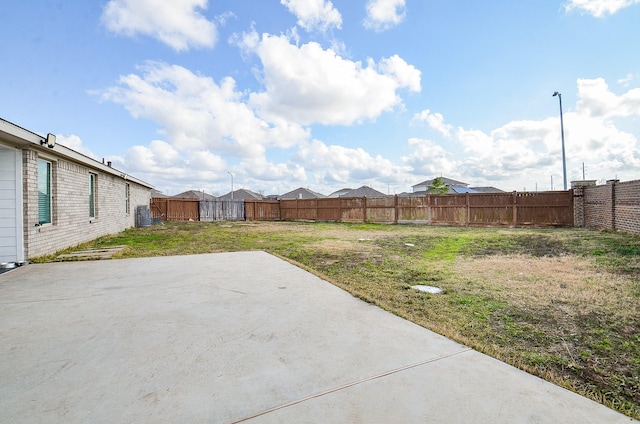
x=241, y=337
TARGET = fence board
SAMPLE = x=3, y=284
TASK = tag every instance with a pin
x=262, y=210
x=352, y=209
x=414, y=209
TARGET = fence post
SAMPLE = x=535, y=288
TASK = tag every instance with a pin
x=613, y=204
x=515, y=208
x=395, y=209
x=429, y=213
x=468, y=208
x=364, y=209
x=572, y=205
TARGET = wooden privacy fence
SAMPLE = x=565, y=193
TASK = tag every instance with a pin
x=174, y=209
x=222, y=210
x=490, y=209
x=188, y=209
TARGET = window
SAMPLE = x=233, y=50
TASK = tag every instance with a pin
x=127, y=193
x=92, y=195
x=44, y=192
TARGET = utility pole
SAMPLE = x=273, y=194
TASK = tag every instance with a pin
x=564, y=161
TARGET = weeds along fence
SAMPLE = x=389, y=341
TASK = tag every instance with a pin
x=189, y=209
x=490, y=209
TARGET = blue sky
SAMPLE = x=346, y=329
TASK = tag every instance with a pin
x=330, y=94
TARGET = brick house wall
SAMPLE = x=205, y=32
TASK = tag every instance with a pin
x=71, y=223
x=613, y=206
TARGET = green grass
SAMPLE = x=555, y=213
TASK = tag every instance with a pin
x=559, y=303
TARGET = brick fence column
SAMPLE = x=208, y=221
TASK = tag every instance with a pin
x=578, y=201
x=612, y=183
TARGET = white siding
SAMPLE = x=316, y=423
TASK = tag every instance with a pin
x=11, y=239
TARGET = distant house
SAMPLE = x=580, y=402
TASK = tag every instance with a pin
x=195, y=194
x=52, y=197
x=242, y=194
x=487, y=190
x=340, y=192
x=157, y=193
x=301, y=193
x=364, y=191
x=453, y=186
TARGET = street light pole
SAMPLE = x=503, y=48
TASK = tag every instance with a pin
x=229, y=172
x=564, y=161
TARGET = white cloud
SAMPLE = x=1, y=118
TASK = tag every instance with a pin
x=314, y=14
x=384, y=14
x=435, y=121
x=599, y=8
x=196, y=113
x=260, y=170
x=626, y=80
x=332, y=164
x=75, y=143
x=597, y=100
x=177, y=23
x=429, y=159
x=406, y=75
x=158, y=157
x=308, y=84
x=172, y=171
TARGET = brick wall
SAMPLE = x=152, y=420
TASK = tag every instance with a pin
x=613, y=206
x=71, y=223
x=578, y=201
x=627, y=206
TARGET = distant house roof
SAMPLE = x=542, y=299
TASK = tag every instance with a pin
x=461, y=190
x=487, y=190
x=242, y=194
x=448, y=181
x=340, y=192
x=407, y=194
x=156, y=193
x=364, y=191
x=455, y=190
x=195, y=194
x=302, y=193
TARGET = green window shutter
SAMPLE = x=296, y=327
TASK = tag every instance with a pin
x=44, y=192
x=92, y=195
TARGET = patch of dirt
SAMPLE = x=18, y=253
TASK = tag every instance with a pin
x=333, y=246
x=527, y=244
x=525, y=282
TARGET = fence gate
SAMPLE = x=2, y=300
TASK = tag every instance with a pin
x=222, y=210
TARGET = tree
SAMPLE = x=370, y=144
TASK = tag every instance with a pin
x=438, y=186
